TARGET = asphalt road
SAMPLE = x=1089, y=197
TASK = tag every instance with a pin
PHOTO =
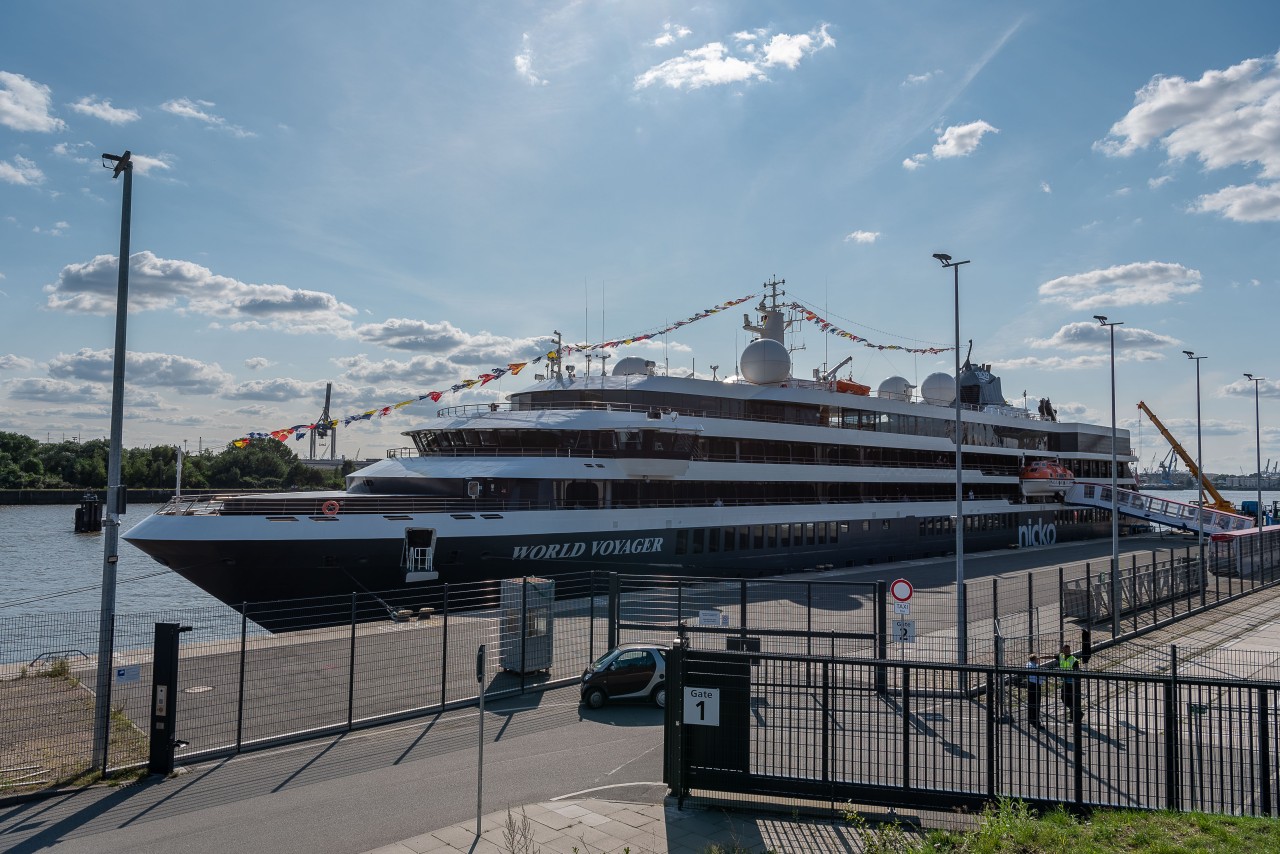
x=362, y=790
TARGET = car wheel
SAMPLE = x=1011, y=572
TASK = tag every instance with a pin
x=594, y=698
x=660, y=696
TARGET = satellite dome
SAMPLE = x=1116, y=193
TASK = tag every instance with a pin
x=630, y=365
x=939, y=389
x=765, y=361
x=895, y=388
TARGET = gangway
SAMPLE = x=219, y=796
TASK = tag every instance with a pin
x=1163, y=511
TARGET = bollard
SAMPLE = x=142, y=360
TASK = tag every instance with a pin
x=164, y=697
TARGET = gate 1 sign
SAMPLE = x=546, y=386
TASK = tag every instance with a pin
x=702, y=706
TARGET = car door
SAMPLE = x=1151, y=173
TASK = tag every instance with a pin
x=631, y=673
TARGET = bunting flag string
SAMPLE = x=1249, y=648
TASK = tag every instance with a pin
x=300, y=431
x=831, y=329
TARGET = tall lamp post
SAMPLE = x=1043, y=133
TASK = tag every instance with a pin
x=962, y=629
x=1257, y=428
x=1199, y=469
x=120, y=165
x=1115, y=516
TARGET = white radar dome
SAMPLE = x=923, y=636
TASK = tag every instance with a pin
x=765, y=361
x=939, y=389
x=895, y=388
x=630, y=365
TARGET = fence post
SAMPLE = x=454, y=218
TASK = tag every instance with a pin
x=906, y=728
x=992, y=676
x=444, y=646
x=827, y=717
x=1062, y=598
x=1264, y=751
x=591, y=634
x=524, y=626
x=673, y=753
x=742, y=608
x=351, y=664
x=1173, y=777
x=882, y=639
x=614, y=609
x=244, y=632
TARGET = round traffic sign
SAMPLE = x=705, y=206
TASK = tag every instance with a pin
x=901, y=590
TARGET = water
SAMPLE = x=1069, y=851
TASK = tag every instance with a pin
x=45, y=567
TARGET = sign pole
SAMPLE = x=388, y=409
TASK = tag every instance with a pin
x=480, y=668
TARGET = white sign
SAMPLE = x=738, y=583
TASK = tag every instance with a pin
x=904, y=631
x=702, y=706
x=900, y=589
x=712, y=618
x=128, y=673
x=903, y=608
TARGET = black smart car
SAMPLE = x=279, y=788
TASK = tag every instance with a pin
x=630, y=671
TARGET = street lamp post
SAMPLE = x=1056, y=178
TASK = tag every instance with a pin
x=1257, y=428
x=1199, y=469
x=120, y=165
x=962, y=629
x=1115, y=516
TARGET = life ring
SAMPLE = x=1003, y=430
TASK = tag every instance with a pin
x=330, y=508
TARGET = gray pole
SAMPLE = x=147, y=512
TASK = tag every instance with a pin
x=1257, y=427
x=481, y=662
x=111, y=523
x=962, y=630
x=1199, y=462
x=1115, y=515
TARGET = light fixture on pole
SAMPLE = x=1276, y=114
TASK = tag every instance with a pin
x=1257, y=428
x=1115, y=516
x=962, y=629
x=1199, y=471
x=120, y=165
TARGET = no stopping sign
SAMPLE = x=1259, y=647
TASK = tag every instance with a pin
x=900, y=589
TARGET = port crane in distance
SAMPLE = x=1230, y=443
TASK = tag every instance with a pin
x=1219, y=503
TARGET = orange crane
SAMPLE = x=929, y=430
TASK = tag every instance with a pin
x=1219, y=503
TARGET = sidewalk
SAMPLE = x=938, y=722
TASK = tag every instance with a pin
x=594, y=826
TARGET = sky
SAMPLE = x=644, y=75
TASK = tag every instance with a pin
x=400, y=196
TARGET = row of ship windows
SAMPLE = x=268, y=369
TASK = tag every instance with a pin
x=696, y=541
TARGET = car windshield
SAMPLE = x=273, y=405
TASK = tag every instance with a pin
x=600, y=662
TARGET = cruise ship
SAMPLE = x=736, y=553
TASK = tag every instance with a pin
x=638, y=472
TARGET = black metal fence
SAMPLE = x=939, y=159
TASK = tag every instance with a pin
x=800, y=728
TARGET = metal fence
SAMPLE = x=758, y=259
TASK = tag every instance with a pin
x=810, y=729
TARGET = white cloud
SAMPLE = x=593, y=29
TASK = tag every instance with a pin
x=281, y=389
x=862, y=237
x=21, y=171
x=1249, y=203
x=1045, y=188
x=144, y=165
x=524, y=64
x=189, y=109
x=1157, y=183
x=1143, y=283
x=671, y=32
x=917, y=79
x=186, y=376
x=90, y=106
x=10, y=362
x=186, y=287
x=24, y=105
x=55, y=391
x=445, y=339
x=1090, y=335
x=714, y=65
x=1226, y=118
x=961, y=140
x=257, y=363
x=913, y=162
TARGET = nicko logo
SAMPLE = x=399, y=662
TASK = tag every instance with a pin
x=1037, y=534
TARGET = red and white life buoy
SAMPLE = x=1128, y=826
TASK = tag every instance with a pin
x=330, y=508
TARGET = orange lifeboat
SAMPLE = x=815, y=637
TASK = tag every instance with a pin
x=850, y=387
x=1045, y=477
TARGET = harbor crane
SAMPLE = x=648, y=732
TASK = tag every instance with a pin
x=1219, y=503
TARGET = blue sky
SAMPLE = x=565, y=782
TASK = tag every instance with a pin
x=398, y=196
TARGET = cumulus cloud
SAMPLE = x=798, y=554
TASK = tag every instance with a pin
x=280, y=389
x=714, y=63
x=257, y=363
x=1045, y=188
x=419, y=369
x=862, y=237
x=21, y=171
x=1226, y=118
x=955, y=141
x=1249, y=203
x=102, y=109
x=1143, y=283
x=188, y=288
x=1244, y=388
x=11, y=362
x=443, y=338
x=198, y=111
x=164, y=370
x=24, y=105
x=1082, y=335
x=524, y=63
x=48, y=390
x=671, y=32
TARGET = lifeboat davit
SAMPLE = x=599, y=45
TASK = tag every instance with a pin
x=1045, y=477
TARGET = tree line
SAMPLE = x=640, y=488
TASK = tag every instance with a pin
x=26, y=463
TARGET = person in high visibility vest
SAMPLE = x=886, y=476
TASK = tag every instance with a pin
x=1070, y=690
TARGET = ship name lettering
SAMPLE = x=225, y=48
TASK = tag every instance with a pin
x=602, y=548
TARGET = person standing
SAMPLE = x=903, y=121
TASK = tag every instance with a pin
x=1034, y=681
x=1070, y=690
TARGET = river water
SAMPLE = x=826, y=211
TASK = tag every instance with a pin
x=47, y=568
